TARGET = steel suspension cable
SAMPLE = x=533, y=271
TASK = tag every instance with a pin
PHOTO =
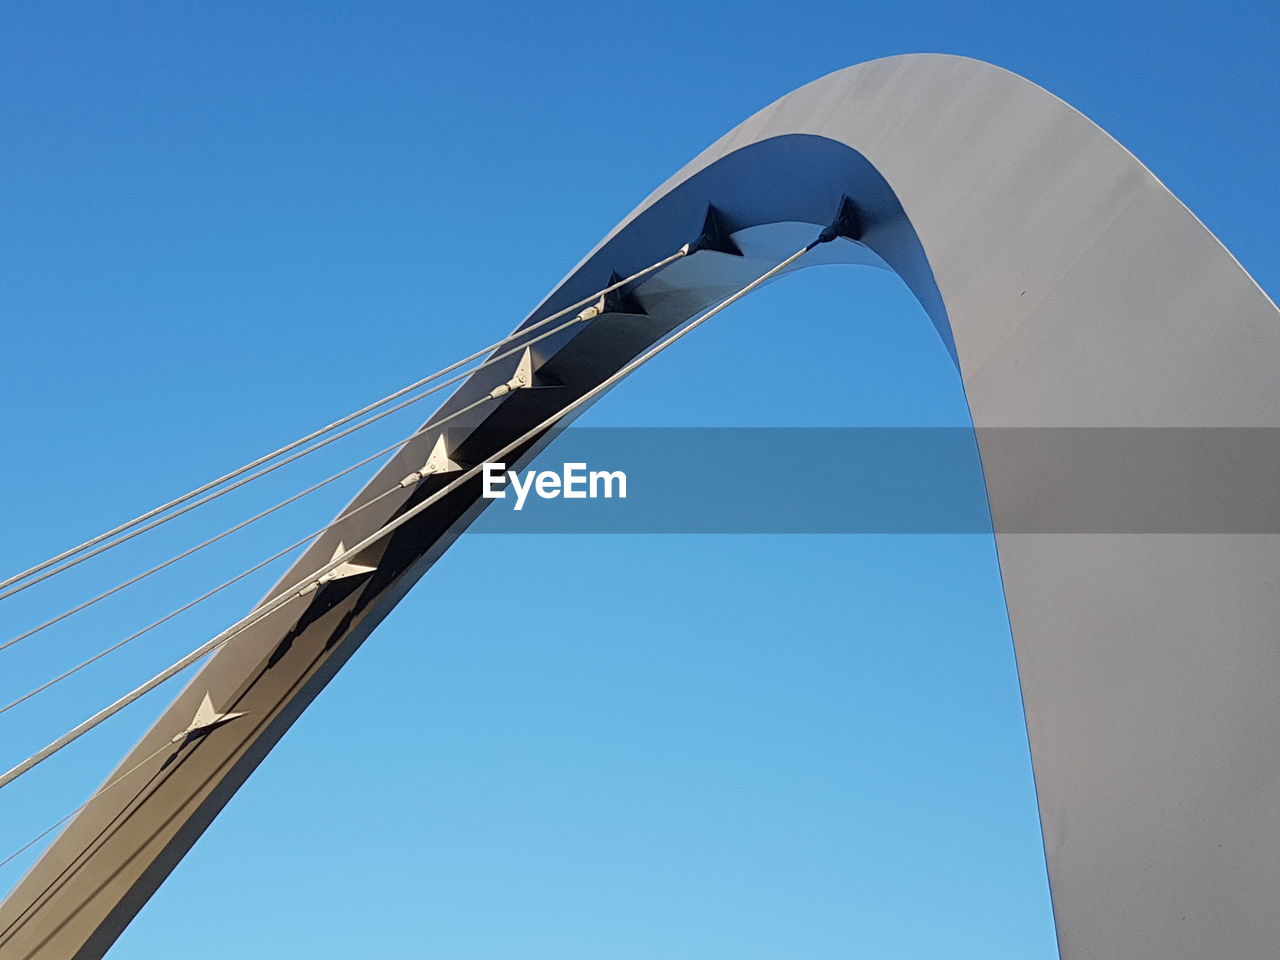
x=239, y=576
x=244, y=523
x=154, y=624
x=44, y=565
x=240, y=526
x=137, y=531
x=312, y=581
x=92, y=797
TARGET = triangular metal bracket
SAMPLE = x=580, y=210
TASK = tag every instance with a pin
x=620, y=300
x=439, y=461
x=206, y=719
x=359, y=565
x=525, y=377
x=522, y=379
x=847, y=224
x=715, y=235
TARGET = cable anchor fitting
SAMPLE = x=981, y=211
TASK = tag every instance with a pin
x=438, y=461
x=206, y=719
x=522, y=379
x=847, y=223
x=715, y=236
x=356, y=566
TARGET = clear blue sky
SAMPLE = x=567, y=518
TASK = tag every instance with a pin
x=225, y=224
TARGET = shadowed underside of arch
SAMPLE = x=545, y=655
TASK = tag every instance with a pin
x=1073, y=290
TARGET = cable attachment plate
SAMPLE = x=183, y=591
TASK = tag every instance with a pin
x=206, y=719
x=361, y=564
x=439, y=460
x=715, y=235
x=847, y=223
x=618, y=301
x=524, y=378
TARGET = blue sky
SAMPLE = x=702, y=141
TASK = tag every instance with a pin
x=226, y=225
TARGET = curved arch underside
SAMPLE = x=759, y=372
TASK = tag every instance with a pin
x=1072, y=289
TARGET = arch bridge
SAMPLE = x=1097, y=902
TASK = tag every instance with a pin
x=1072, y=289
